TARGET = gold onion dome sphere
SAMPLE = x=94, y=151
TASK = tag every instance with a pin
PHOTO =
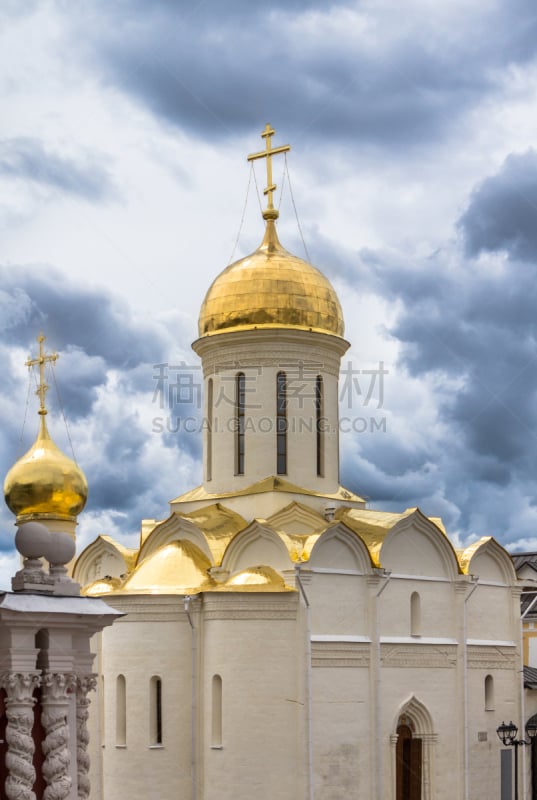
x=45, y=482
x=271, y=288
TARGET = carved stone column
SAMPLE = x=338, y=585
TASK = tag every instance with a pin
x=84, y=684
x=55, y=704
x=20, y=702
x=429, y=745
x=393, y=759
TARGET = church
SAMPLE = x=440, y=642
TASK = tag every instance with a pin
x=280, y=638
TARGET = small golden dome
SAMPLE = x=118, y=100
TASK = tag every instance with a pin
x=257, y=579
x=45, y=482
x=271, y=289
x=101, y=586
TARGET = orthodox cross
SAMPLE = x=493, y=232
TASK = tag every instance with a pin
x=270, y=212
x=40, y=361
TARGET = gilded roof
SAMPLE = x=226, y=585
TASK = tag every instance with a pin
x=373, y=526
x=271, y=288
x=257, y=579
x=270, y=484
x=181, y=568
x=176, y=565
x=45, y=482
x=217, y=524
x=177, y=568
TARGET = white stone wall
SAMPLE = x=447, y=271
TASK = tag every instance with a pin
x=315, y=692
x=154, y=639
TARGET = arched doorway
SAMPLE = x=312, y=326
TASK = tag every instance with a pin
x=409, y=761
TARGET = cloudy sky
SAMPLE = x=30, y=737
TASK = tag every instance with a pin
x=123, y=185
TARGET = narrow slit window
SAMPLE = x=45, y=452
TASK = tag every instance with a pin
x=489, y=693
x=155, y=710
x=209, y=455
x=281, y=423
x=216, y=733
x=319, y=425
x=415, y=614
x=240, y=422
x=102, y=714
x=121, y=711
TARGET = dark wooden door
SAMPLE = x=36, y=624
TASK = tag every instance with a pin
x=409, y=761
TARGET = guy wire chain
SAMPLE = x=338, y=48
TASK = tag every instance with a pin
x=25, y=408
x=282, y=184
x=62, y=412
x=244, y=211
x=296, y=212
x=257, y=189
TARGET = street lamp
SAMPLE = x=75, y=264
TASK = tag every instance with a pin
x=508, y=734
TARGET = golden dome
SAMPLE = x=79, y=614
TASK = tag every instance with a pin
x=176, y=568
x=45, y=482
x=271, y=289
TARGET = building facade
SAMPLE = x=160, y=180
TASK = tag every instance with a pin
x=281, y=638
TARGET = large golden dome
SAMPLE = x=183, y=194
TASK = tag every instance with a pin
x=271, y=288
x=45, y=482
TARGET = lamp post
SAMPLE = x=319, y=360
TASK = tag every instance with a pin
x=508, y=734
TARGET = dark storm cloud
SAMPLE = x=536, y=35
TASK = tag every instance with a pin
x=471, y=336
x=118, y=478
x=123, y=481
x=105, y=372
x=502, y=214
x=27, y=158
x=220, y=69
x=94, y=320
x=182, y=431
x=485, y=340
x=82, y=375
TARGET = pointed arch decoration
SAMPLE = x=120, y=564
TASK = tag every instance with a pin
x=174, y=529
x=103, y=556
x=257, y=544
x=429, y=538
x=340, y=547
x=490, y=561
x=297, y=518
x=418, y=713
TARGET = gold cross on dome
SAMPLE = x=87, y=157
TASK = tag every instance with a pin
x=270, y=212
x=40, y=361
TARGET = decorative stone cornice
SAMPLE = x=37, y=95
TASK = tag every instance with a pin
x=340, y=654
x=269, y=348
x=250, y=606
x=492, y=657
x=431, y=656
